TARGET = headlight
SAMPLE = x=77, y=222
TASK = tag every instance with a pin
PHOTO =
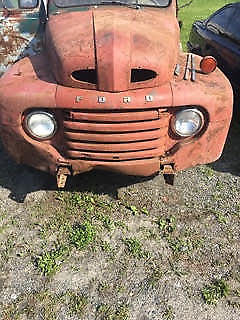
x=188, y=122
x=41, y=124
x=28, y=4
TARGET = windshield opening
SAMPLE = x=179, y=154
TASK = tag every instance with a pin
x=77, y=3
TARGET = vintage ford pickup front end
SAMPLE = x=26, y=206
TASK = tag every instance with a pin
x=112, y=90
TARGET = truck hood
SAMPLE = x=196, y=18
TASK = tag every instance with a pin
x=113, y=48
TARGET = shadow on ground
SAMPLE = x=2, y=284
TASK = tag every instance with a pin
x=230, y=160
x=22, y=180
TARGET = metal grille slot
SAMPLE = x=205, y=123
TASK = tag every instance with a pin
x=113, y=136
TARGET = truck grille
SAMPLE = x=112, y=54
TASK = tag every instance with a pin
x=114, y=136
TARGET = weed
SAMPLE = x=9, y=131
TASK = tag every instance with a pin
x=82, y=235
x=8, y=247
x=121, y=225
x=86, y=201
x=155, y=277
x=106, y=247
x=213, y=293
x=187, y=245
x=166, y=225
x=168, y=313
x=148, y=233
x=221, y=218
x=133, y=209
x=107, y=312
x=145, y=211
x=209, y=172
x=77, y=303
x=49, y=262
x=104, y=310
x=3, y=228
x=122, y=313
x=29, y=306
x=107, y=222
x=134, y=247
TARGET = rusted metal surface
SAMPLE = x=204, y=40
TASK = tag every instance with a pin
x=21, y=33
x=115, y=124
x=113, y=41
x=62, y=174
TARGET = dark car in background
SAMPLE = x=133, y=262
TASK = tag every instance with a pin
x=219, y=36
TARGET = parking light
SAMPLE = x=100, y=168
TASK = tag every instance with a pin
x=208, y=64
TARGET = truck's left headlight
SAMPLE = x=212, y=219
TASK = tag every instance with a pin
x=40, y=124
x=188, y=122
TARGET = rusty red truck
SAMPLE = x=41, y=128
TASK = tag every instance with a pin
x=104, y=84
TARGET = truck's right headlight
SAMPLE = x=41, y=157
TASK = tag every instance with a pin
x=40, y=124
x=188, y=122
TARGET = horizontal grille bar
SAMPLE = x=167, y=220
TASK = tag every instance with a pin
x=114, y=136
x=112, y=116
x=113, y=147
x=113, y=127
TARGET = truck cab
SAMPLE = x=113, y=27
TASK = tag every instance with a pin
x=110, y=89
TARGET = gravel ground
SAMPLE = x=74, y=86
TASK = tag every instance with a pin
x=116, y=247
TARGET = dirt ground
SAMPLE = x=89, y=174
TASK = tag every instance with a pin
x=115, y=247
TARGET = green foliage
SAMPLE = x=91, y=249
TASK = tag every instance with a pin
x=184, y=245
x=213, y=293
x=107, y=312
x=49, y=262
x=82, y=235
x=122, y=313
x=134, y=247
x=154, y=278
x=77, y=303
x=198, y=10
x=168, y=313
x=133, y=209
x=107, y=222
x=30, y=305
x=166, y=225
x=221, y=218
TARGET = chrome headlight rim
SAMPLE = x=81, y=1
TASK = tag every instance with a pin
x=28, y=128
x=190, y=109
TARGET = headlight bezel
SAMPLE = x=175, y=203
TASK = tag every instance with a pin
x=194, y=109
x=30, y=132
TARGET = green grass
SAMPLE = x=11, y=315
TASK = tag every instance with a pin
x=216, y=291
x=168, y=313
x=49, y=262
x=77, y=303
x=82, y=235
x=107, y=312
x=166, y=225
x=134, y=247
x=198, y=10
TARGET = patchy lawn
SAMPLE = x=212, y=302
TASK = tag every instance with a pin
x=116, y=247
